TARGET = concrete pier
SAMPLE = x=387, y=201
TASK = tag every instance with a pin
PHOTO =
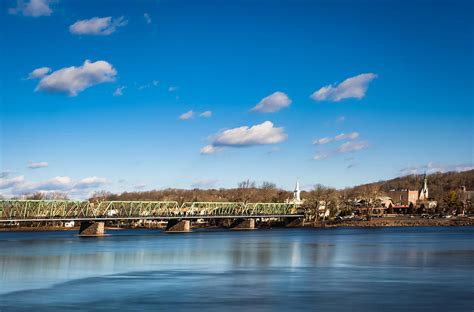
x=178, y=226
x=294, y=222
x=243, y=224
x=90, y=228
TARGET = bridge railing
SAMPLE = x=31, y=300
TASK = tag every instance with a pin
x=65, y=209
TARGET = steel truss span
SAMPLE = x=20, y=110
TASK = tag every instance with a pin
x=59, y=210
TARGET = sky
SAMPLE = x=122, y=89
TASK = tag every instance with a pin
x=140, y=95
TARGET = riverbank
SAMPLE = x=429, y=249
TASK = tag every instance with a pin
x=398, y=221
x=375, y=222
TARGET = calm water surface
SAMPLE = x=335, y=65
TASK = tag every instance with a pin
x=390, y=269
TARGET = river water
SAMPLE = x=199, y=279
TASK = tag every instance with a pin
x=389, y=269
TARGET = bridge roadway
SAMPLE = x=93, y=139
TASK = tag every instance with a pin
x=178, y=216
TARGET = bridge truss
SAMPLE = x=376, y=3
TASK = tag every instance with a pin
x=32, y=210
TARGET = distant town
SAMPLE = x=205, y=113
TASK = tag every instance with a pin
x=415, y=200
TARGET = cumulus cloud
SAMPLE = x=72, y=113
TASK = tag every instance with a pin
x=353, y=146
x=354, y=87
x=72, y=80
x=98, y=26
x=7, y=182
x=339, y=137
x=119, y=91
x=433, y=167
x=19, y=185
x=37, y=165
x=39, y=73
x=186, y=116
x=261, y=134
x=272, y=103
x=206, y=114
x=147, y=18
x=32, y=8
x=205, y=184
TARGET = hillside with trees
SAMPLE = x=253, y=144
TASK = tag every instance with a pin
x=440, y=185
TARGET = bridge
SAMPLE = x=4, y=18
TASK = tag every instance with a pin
x=93, y=215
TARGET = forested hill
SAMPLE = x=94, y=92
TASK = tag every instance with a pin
x=439, y=184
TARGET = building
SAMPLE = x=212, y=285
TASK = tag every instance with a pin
x=403, y=197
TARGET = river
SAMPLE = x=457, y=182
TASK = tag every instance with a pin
x=341, y=269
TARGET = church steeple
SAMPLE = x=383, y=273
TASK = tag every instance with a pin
x=424, y=191
x=297, y=193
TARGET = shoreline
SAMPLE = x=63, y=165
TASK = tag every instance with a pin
x=374, y=223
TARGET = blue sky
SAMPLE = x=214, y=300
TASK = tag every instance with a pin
x=384, y=88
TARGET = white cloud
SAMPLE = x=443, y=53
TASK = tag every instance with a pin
x=261, y=134
x=354, y=87
x=18, y=185
x=39, y=73
x=6, y=182
x=339, y=137
x=119, y=91
x=341, y=119
x=32, y=8
x=321, y=156
x=352, y=146
x=147, y=18
x=272, y=103
x=187, y=115
x=205, y=184
x=206, y=114
x=210, y=149
x=37, y=165
x=5, y=174
x=173, y=88
x=323, y=141
x=90, y=182
x=433, y=167
x=102, y=26
x=72, y=80
x=348, y=136
x=155, y=82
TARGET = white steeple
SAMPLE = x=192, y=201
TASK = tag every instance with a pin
x=424, y=190
x=297, y=193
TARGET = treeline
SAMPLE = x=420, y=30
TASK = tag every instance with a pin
x=439, y=184
x=246, y=191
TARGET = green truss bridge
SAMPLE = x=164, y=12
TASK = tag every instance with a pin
x=179, y=216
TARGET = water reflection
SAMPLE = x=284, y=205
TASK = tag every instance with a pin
x=310, y=266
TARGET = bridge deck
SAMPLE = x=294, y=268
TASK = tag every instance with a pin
x=153, y=218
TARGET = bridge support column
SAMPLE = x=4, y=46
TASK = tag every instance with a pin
x=294, y=222
x=90, y=228
x=243, y=224
x=178, y=226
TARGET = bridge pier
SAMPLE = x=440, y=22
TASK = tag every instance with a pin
x=243, y=224
x=294, y=222
x=90, y=228
x=178, y=226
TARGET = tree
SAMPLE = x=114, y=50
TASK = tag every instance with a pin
x=452, y=203
x=321, y=198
